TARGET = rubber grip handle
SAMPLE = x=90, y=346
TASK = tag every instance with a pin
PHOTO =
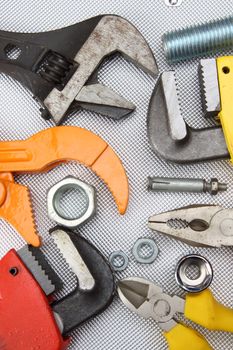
x=205, y=310
x=182, y=338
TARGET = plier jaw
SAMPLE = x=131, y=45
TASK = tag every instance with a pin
x=203, y=226
x=149, y=301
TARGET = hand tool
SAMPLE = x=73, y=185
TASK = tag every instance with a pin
x=59, y=190
x=60, y=67
x=199, y=225
x=198, y=40
x=171, y=137
x=172, y=184
x=145, y=250
x=216, y=78
x=194, y=273
x=149, y=301
x=42, y=152
x=29, y=317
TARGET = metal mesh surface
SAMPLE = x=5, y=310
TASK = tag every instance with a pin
x=118, y=328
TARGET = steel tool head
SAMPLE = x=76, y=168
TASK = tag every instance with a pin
x=208, y=77
x=95, y=280
x=209, y=226
x=60, y=67
x=37, y=264
x=148, y=300
x=171, y=137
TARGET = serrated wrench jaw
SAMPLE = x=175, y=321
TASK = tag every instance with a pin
x=74, y=259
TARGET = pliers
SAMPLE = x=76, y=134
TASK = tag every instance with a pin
x=199, y=226
x=149, y=301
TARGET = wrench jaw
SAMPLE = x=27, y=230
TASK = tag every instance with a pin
x=58, y=66
x=194, y=147
x=82, y=305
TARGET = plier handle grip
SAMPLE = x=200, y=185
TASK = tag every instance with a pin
x=149, y=301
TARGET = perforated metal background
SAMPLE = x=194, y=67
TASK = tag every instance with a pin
x=20, y=118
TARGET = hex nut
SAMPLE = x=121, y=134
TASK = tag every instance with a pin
x=139, y=244
x=118, y=254
x=214, y=186
x=55, y=193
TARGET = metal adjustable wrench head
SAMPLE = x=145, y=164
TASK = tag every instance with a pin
x=26, y=282
x=149, y=301
x=60, y=66
x=203, y=226
x=171, y=137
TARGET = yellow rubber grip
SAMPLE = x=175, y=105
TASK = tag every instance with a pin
x=225, y=78
x=184, y=338
x=203, y=309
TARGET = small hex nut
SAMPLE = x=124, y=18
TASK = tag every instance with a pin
x=56, y=192
x=214, y=186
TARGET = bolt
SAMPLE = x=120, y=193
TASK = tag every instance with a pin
x=163, y=184
x=198, y=40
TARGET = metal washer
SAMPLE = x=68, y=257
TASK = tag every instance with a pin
x=138, y=246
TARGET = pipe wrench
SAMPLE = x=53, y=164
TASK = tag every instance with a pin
x=29, y=317
x=172, y=138
x=60, y=67
x=42, y=152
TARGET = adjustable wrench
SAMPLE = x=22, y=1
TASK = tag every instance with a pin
x=60, y=67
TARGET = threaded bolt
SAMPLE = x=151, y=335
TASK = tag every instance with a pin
x=198, y=40
x=169, y=184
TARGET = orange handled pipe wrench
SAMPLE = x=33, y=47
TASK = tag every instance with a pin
x=44, y=151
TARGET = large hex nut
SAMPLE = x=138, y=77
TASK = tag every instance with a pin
x=57, y=191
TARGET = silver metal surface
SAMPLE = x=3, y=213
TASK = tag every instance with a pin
x=172, y=184
x=115, y=34
x=34, y=267
x=148, y=300
x=55, y=194
x=102, y=99
x=74, y=259
x=20, y=119
x=199, y=145
x=151, y=248
x=173, y=3
x=208, y=78
x=118, y=260
x=198, y=40
x=176, y=122
x=206, y=226
x=198, y=283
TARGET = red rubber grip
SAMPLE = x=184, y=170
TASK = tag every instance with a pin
x=26, y=318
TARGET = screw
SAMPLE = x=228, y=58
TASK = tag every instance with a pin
x=198, y=40
x=163, y=184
